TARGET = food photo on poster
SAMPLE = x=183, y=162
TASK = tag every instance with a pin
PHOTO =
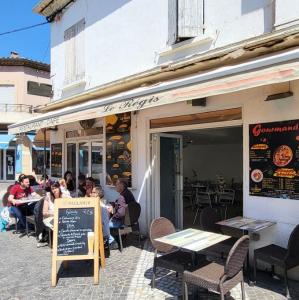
x=274, y=159
x=118, y=148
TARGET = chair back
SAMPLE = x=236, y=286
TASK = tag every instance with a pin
x=208, y=219
x=132, y=215
x=293, y=244
x=226, y=197
x=159, y=228
x=203, y=198
x=236, y=256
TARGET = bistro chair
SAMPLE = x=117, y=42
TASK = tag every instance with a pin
x=169, y=257
x=218, y=278
x=278, y=256
x=202, y=199
x=208, y=218
x=131, y=222
x=226, y=199
x=35, y=218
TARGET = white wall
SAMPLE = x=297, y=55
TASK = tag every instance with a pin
x=125, y=37
x=211, y=160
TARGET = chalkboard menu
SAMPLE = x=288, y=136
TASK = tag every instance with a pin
x=274, y=159
x=118, y=148
x=56, y=160
x=73, y=228
x=77, y=233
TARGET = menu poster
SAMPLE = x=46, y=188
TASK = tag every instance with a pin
x=274, y=159
x=56, y=160
x=118, y=148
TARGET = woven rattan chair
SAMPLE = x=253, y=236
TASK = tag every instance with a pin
x=170, y=258
x=216, y=277
x=284, y=258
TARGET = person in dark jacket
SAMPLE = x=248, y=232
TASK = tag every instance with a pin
x=122, y=187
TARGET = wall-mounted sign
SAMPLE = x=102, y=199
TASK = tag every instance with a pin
x=56, y=160
x=84, y=132
x=274, y=159
x=118, y=148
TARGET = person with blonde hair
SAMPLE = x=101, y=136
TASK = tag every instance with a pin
x=98, y=192
x=63, y=187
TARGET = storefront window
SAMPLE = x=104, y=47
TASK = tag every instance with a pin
x=1, y=164
x=10, y=164
x=118, y=148
x=38, y=161
x=96, y=160
x=83, y=159
x=71, y=158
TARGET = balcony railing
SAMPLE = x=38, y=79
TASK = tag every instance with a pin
x=16, y=108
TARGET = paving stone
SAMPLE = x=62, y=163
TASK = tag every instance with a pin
x=26, y=274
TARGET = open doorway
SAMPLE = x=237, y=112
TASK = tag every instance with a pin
x=195, y=169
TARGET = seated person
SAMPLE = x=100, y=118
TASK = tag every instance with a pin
x=63, y=188
x=70, y=183
x=20, y=190
x=45, y=183
x=49, y=203
x=98, y=192
x=81, y=185
x=89, y=185
x=122, y=187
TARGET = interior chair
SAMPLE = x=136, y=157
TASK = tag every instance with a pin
x=278, y=256
x=218, y=278
x=169, y=257
x=226, y=199
x=208, y=218
x=131, y=222
x=202, y=199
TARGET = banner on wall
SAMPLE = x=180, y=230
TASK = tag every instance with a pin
x=274, y=159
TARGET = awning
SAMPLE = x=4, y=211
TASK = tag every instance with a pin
x=266, y=70
x=5, y=139
x=37, y=140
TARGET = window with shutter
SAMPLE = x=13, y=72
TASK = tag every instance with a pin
x=7, y=94
x=185, y=20
x=74, y=52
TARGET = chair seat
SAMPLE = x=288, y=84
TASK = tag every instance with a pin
x=178, y=261
x=30, y=219
x=207, y=276
x=272, y=254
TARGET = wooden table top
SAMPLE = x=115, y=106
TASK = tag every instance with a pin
x=193, y=239
x=249, y=224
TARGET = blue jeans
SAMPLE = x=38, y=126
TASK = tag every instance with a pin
x=114, y=223
x=19, y=215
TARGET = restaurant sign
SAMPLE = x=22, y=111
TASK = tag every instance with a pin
x=274, y=159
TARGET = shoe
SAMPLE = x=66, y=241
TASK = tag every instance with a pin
x=41, y=244
x=113, y=246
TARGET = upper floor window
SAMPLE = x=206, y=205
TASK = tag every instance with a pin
x=7, y=94
x=39, y=89
x=186, y=20
x=74, y=52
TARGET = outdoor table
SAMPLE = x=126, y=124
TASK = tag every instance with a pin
x=248, y=226
x=193, y=239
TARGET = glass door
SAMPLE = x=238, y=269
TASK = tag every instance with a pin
x=167, y=178
x=83, y=159
x=97, y=160
x=71, y=155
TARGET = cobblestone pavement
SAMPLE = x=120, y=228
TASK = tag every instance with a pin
x=25, y=274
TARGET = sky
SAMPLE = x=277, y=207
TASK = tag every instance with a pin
x=32, y=43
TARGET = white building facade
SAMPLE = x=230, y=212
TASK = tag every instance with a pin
x=175, y=68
